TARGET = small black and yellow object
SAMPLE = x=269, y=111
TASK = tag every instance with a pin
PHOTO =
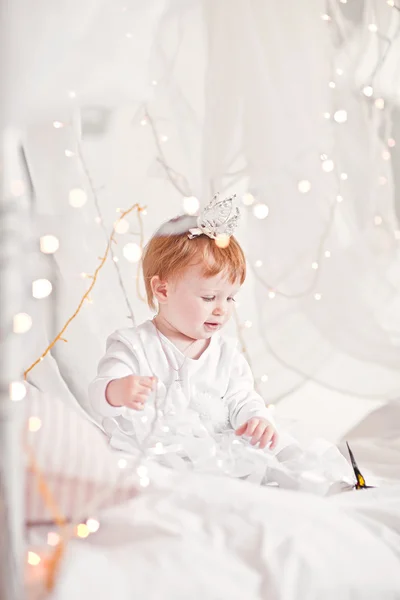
x=360, y=485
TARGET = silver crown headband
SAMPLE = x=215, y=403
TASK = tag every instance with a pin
x=218, y=218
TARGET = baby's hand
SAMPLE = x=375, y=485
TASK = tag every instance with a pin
x=131, y=391
x=261, y=432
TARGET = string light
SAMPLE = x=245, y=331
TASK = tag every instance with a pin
x=339, y=71
x=248, y=324
x=327, y=254
x=97, y=220
x=122, y=463
x=34, y=424
x=132, y=252
x=325, y=17
x=380, y=103
x=378, y=220
x=49, y=244
x=390, y=3
x=121, y=226
x=92, y=525
x=332, y=85
x=72, y=94
x=41, y=288
x=340, y=116
x=391, y=143
x=372, y=27
x=143, y=122
x=222, y=240
x=77, y=197
x=317, y=296
x=271, y=295
x=258, y=263
x=22, y=322
x=33, y=559
x=339, y=199
x=154, y=82
x=190, y=205
x=327, y=115
x=314, y=266
x=343, y=176
x=58, y=124
x=248, y=199
x=53, y=539
x=129, y=35
x=328, y=165
x=144, y=481
x=368, y=91
x=68, y=153
x=82, y=530
x=386, y=155
x=164, y=138
x=304, y=186
x=17, y=391
x=260, y=210
x=264, y=378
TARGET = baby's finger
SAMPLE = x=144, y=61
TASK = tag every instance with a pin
x=147, y=382
x=143, y=389
x=266, y=437
x=274, y=441
x=241, y=429
x=251, y=427
x=258, y=432
x=137, y=405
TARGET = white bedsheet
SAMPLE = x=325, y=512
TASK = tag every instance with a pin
x=200, y=537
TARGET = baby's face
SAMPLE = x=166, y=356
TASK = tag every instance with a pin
x=199, y=306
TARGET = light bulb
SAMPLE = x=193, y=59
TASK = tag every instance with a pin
x=339, y=198
x=340, y=116
x=332, y=85
x=53, y=539
x=132, y=252
x=325, y=17
x=144, y=481
x=68, y=153
x=314, y=266
x=22, y=322
x=248, y=324
x=92, y=525
x=164, y=138
x=190, y=205
x=143, y=122
x=17, y=391
x=386, y=155
x=318, y=296
x=58, y=124
x=222, y=240
x=339, y=71
x=390, y=3
x=260, y=210
x=248, y=199
x=129, y=35
x=121, y=226
x=154, y=82
x=72, y=94
x=368, y=91
x=49, y=244
x=304, y=186
x=343, y=176
x=271, y=295
x=34, y=424
x=33, y=559
x=378, y=220
x=328, y=166
x=327, y=254
x=258, y=263
x=82, y=530
x=327, y=115
x=122, y=463
x=380, y=103
x=142, y=471
x=391, y=143
x=41, y=288
x=264, y=378
x=77, y=197
x=372, y=27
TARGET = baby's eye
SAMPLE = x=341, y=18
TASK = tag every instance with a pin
x=208, y=298
x=231, y=299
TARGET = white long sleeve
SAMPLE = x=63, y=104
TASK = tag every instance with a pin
x=118, y=361
x=242, y=400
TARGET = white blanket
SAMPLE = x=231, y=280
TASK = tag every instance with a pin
x=202, y=537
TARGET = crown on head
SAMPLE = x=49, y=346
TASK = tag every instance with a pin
x=218, y=218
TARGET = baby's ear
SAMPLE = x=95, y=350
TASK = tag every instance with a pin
x=160, y=289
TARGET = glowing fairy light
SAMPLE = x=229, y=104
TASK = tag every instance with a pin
x=33, y=559
x=82, y=530
x=340, y=116
x=327, y=254
x=222, y=240
x=58, y=125
x=77, y=197
x=258, y=263
x=368, y=91
x=122, y=463
x=264, y=378
x=339, y=199
x=328, y=165
x=121, y=226
x=34, y=424
x=41, y=288
x=260, y=210
x=317, y=296
x=49, y=244
x=17, y=391
x=248, y=199
x=314, y=266
x=132, y=252
x=343, y=176
x=92, y=525
x=380, y=103
x=22, y=322
x=53, y=539
x=304, y=186
x=271, y=294
x=190, y=205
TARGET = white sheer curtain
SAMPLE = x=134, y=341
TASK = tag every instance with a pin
x=180, y=98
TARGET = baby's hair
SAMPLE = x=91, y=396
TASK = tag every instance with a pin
x=168, y=255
